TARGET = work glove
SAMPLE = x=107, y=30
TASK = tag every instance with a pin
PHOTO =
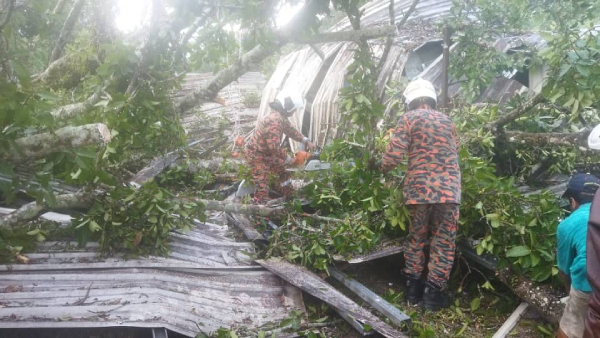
x=288, y=160
x=309, y=145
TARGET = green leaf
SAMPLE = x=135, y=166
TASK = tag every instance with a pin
x=48, y=96
x=475, y=303
x=94, y=226
x=518, y=251
x=152, y=219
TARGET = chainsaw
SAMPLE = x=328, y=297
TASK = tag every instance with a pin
x=303, y=160
x=307, y=161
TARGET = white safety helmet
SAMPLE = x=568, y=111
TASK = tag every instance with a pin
x=594, y=138
x=417, y=89
x=290, y=100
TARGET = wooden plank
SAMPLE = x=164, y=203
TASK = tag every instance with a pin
x=317, y=287
x=243, y=223
x=392, y=312
x=510, y=323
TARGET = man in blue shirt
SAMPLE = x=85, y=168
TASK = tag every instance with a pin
x=571, y=253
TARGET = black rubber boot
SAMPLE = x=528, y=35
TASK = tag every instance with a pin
x=435, y=299
x=414, y=290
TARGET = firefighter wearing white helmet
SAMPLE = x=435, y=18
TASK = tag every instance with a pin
x=264, y=153
x=419, y=92
x=432, y=187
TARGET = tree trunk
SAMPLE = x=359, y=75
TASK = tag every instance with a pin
x=549, y=139
x=356, y=36
x=70, y=110
x=67, y=30
x=515, y=113
x=40, y=145
x=298, y=24
x=542, y=297
x=33, y=210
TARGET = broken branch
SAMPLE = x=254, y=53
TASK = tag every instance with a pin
x=39, y=145
x=70, y=110
x=549, y=139
x=67, y=30
x=33, y=210
x=515, y=113
x=299, y=23
x=238, y=208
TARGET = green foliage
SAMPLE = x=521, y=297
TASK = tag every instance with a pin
x=251, y=100
x=137, y=221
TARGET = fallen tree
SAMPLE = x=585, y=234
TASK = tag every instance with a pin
x=40, y=145
x=544, y=298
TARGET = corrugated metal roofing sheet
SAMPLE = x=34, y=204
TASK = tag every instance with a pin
x=184, y=302
x=301, y=68
x=241, y=118
x=205, y=283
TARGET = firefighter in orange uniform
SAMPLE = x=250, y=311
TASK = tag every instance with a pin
x=264, y=153
x=432, y=189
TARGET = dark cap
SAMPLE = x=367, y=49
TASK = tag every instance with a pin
x=582, y=187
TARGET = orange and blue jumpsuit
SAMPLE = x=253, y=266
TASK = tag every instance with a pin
x=431, y=189
x=265, y=155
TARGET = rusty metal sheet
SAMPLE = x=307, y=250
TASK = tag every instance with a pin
x=186, y=303
x=317, y=287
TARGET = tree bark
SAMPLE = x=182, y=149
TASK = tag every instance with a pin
x=195, y=26
x=355, y=36
x=40, y=145
x=515, y=113
x=213, y=165
x=70, y=110
x=238, y=208
x=33, y=210
x=548, y=139
x=542, y=297
x=389, y=40
x=67, y=30
x=225, y=77
x=296, y=26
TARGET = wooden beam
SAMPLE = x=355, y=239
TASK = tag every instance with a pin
x=317, y=287
x=393, y=313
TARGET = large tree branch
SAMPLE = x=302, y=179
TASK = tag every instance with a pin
x=199, y=22
x=70, y=110
x=515, y=113
x=225, y=77
x=297, y=25
x=33, y=210
x=543, y=297
x=389, y=40
x=67, y=30
x=355, y=36
x=40, y=145
x=238, y=208
x=549, y=139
